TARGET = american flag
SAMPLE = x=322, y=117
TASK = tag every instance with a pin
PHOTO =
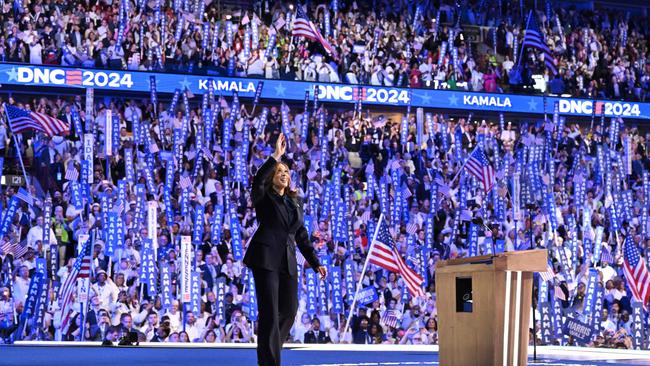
x=365, y=216
x=636, y=272
x=606, y=256
x=549, y=274
x=479, y=166
x=389, y=318
x=16, y=249
x=559, y=293
x=72, y=174
x=80, y=269
x=118, y=207
x=384, y=254
x=185, y=181
x=535, y=39
x=6, y=247
x=22, y=194
x=207, y=155
x=20, y=249
x=303, y=27
x=22, y=120
x=412, y=228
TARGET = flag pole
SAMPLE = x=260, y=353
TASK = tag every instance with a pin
x=363, y=271
x=462, y=167
x=521, y=50
x=20, y=155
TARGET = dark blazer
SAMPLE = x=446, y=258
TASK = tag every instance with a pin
x=321, y=337
x=275, y=235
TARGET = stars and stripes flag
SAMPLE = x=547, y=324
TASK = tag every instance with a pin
x=25, y=196
x=549, y=274
x=535, y=39
x=16, y=249
x=303, y=27
x=185, y=181
x=479, y=166
x=20, y=249
x=72, y=174
x=636, y=272
x=559, y=293
x=412, y=228
x=365, y=216
x=80, y=269
x=389, y=318
x=22, y=120
x=606, y=255
x=383, y=253
x=6, y=247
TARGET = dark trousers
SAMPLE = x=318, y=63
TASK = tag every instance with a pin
x=277, y=302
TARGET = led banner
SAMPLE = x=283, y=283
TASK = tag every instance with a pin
x=118, y=80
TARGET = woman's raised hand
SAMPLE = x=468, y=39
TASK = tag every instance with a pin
x=280, y=147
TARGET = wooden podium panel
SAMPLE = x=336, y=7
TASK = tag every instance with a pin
x=478, y=337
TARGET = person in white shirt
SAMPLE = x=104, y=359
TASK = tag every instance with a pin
x=149, y=328
x=105, y=289
x=35, y=53
x=36, y=233
x=192, y=327
x=21, y=285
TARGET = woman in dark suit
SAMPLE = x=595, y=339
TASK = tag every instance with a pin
x=272, y=254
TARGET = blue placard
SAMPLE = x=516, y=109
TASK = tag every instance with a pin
x=367, y=295
x=579, y=330
x=12, y=74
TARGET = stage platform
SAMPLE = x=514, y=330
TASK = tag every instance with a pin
x=157, y=354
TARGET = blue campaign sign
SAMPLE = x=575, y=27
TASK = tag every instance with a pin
x=577, y=329
x=62, y=77
x=367, y=295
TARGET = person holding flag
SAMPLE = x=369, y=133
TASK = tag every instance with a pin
x=272, y=253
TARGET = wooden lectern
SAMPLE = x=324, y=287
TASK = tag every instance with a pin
x=474, y=296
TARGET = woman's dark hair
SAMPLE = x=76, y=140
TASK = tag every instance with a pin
x=73, y=325
x=268, y=182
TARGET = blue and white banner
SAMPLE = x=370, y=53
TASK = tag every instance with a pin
x=33, y=75
x=148, y=266
x=195, y=302
x=8, y=215
x=216, y=227
x=33, y=293
x=253, y=297
x=199, y=217
x=638, y=336
x=350, y=284
x=312, y=289
x=337, y=290
x=235, y=232
x=221, y=295
x=367, y=295
x=166, y=286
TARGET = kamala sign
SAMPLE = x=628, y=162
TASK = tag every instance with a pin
x=135, y=81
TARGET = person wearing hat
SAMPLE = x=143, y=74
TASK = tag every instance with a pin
x=105, y=288
x=272, y=253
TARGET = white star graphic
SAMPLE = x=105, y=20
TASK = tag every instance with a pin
x=12, y=74
x=532, y=105
x=184, y=84
x=279, y=90
x=426, y=98
x=453, y=100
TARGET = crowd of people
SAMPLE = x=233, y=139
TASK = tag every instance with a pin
x=468, y=45
x=372, y=166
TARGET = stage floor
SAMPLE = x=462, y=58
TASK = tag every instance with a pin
x=156, y=354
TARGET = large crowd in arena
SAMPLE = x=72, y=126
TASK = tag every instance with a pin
x=582, y=190
x=598, y=53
